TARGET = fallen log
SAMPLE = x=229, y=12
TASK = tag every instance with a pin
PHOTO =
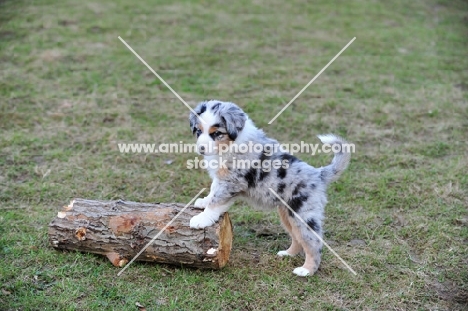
x=120, y=229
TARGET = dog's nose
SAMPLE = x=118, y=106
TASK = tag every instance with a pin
x=202, y=149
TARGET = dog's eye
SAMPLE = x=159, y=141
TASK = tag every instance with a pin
x=216, y=135
x=199, y=132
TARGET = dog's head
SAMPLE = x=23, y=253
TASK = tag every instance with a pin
x=224, y=122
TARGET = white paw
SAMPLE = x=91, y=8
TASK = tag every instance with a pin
x=200, y=203
x=301, y=271
x=201, y=221
x=284, y=254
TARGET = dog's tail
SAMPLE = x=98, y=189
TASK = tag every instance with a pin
x=342, y=150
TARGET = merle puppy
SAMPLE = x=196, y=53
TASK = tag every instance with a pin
x=240, y=171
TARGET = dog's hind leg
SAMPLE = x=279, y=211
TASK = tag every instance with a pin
x=295, y=247
x=310, y=242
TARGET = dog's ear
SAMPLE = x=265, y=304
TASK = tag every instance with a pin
x=193, y=118
x=233, y=117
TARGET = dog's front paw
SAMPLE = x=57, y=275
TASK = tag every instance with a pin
x=200, y=203
x=201, y=221
x=301, y=271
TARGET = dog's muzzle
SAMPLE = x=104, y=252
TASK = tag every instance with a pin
x=202, y=149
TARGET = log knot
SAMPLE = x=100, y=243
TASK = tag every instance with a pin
x=80, y=234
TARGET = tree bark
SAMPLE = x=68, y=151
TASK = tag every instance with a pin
x=120, y=229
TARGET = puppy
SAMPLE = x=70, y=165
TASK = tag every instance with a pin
x=220, y=139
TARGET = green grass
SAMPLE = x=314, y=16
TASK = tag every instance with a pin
x=70, y=91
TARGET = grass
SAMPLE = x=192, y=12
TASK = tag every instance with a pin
x=70, y=91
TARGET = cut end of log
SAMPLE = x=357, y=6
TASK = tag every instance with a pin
x=225, y=241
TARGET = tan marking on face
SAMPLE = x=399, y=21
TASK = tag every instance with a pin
x=212, y=129
x=222, y=172
x=223, y=143
x=200, y=127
